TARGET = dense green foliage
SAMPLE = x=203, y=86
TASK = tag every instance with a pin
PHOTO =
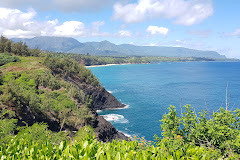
x=43, y=96
x=67, y=67
x=19, y=48
x=102, y=60
x=218, y=132
x=185, y=137
x=7, y=58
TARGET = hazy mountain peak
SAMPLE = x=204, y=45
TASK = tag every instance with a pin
x=71, y=45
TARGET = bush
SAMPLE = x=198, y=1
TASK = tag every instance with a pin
x=219, y=133
x=7, y=58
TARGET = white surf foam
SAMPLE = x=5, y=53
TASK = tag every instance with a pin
x=127, y=135
x=127, y=106
x=98, y=111
x=110, y=91
x=116, y=118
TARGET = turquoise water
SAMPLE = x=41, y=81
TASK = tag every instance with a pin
x=149, y=89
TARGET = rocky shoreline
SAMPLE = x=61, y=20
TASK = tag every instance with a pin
x=102, y=99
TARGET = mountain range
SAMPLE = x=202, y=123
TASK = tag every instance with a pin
x=106, y=48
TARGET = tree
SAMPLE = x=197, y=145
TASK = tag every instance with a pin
x=5, y=45
x=20, y=49
x=35, y=52
x=8, y=48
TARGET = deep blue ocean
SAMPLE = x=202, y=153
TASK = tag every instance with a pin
x=149, y=89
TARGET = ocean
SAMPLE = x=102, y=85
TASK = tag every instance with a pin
x=149, y=89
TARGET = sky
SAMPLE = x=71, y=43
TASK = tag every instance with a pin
x=197, y=24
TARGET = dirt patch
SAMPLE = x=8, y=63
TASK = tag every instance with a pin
x=14, y=69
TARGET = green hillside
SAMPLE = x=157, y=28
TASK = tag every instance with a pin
x=105, y=48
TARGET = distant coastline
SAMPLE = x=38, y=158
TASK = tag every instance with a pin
x=104, y=65
x=114, y=64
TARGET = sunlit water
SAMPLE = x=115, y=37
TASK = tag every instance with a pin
x=149, y=89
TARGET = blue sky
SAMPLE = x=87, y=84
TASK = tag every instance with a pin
x=198, y=24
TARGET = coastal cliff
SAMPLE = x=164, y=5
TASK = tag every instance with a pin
x=101, y=99
x=59, y=92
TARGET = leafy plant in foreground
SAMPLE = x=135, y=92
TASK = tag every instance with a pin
x=219, y=133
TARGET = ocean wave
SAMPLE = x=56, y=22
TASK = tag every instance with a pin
x=125, y=134
x=110, y=91
x=126, y=106
x=98, y=111
x=118, y=90
x=116, y=118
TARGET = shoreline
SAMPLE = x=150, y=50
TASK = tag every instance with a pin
x=113, y=64
x=105, y=65
x=100, y=110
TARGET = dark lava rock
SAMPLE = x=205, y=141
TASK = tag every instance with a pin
x=106, y=132
x=102, y=99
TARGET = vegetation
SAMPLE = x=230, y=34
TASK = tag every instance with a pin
x=35, y=89
x=185, y=137
x=71, y=45
x=218, y=132
x=67, y=67
x=102, y=60
x=7, y=58
x=20, y=48
x=38, y=105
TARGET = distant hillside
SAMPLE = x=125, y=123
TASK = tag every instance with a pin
x=71, y=45
x=56, y=44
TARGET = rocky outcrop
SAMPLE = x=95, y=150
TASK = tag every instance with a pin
x=102, y=99
x=106, y=132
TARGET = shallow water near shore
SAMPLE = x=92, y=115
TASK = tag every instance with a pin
x=149, y=89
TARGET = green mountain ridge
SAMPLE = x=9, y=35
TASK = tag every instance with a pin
x=106, y=48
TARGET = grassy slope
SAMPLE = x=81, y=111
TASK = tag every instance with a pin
x=26, y=64
x=54, y=101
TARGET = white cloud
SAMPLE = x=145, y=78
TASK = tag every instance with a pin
x=53, y=22
x=59, y=5
x=153, y=44
x=157, y=30
x=236, y=33
x=15, y=19
x=15, y=23
x=124, y=33
x=132, y=43
x=183, y=12
x=70, y=28
x=18, y=33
